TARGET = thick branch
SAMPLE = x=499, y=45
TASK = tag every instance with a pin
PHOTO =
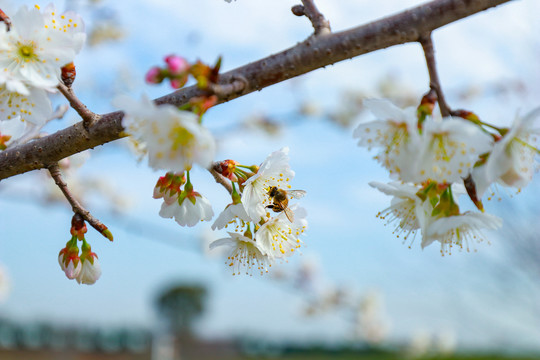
x=77, y=208
x=313, y=53
x=434, y=82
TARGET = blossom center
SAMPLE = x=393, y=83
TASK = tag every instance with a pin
x=180, y=137
x=26, y=51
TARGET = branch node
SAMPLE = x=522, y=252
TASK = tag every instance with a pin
x=237, y=84
x=319, y=22
x=298, y=10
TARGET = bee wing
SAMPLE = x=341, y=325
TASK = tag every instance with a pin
x=289, y=214
x=297, y=194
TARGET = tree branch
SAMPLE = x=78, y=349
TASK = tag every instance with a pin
x=319, y=22
x=88, y=117
x=434, y=82
x=313, y=53
x=77, y=208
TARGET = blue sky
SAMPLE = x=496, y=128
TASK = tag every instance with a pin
x=422, y=290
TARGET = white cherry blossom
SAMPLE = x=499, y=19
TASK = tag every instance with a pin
x=10, y=131
x=33, y=107
x=189, y=212
x=450, y=148
x=245, y=255
x=459, y=230
x=68, y=24
x=234, y=214
x=402, y=210
x=12, y=84
x=278, y=237
x=394, y=133
x=513, y=159
x=274, y=171
x=173, y=138
x=38, y=45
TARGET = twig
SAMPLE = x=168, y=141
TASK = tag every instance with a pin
x=220, y=179
x=319, y=22
x=77, y=208
x=314, y=53
x=434, y=83
x=88, y=117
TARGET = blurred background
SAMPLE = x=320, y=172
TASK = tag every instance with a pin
x=355, y=291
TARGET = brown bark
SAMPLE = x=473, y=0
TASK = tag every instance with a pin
x=313, y=53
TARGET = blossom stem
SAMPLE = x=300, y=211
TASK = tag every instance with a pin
x=88, y=117
x=434, y=83
x=76, y=206
x=498, y=129
x=527, y=145
x=220, y=179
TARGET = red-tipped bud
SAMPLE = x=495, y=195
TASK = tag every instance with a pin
x=5, y=19
x=68, y=74
x=470, y=186
x=427, y=104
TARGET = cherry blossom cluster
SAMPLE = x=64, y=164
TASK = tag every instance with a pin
x=36, y=48
x=433, y=161
x=256, y=238
x=83, y=267
x=174, y=139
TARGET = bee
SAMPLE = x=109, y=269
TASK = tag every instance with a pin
x=280, y=200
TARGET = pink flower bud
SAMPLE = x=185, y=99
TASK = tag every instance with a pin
x=153, y=76
x=69, y=261
x=176, y=64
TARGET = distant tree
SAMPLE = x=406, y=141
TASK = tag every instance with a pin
x=179, y=306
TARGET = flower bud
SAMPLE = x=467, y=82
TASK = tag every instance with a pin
x=91, y=269
x=154, y=76
x=68, y=74
x=176, y=64
x=69, y=260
